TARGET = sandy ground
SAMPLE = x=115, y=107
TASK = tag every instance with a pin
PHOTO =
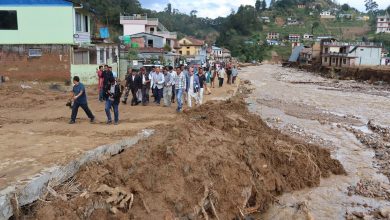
x=336, y=115
x=35, y=134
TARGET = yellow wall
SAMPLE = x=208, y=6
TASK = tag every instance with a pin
x=185, y=46
x=193, y=50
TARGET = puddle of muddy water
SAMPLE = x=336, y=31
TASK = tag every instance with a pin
x=330, y=200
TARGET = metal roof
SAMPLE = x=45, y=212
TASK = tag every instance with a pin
x=36, y=2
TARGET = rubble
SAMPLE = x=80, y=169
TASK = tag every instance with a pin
x=217, y=161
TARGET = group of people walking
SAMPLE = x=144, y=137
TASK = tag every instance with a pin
x=167, y=85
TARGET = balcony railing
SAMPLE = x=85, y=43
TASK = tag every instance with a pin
x=343, y=44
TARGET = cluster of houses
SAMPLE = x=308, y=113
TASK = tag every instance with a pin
x=58, y=39
x=153, y=40
x=329, y=52
x=275, y=38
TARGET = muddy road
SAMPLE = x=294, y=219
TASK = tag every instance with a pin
x=350, y=118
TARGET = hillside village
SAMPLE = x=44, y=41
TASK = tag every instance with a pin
x=145, y=40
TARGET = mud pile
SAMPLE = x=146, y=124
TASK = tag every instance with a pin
x=215, y=162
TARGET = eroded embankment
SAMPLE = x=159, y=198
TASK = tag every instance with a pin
x=217, y=160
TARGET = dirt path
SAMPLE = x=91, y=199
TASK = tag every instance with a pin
x=333, y=114
x=35, y=134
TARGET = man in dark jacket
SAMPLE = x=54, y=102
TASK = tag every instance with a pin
x=113, y=96
x=107, y=75
x=134, y=83
x=127, y=89
x=145, y=86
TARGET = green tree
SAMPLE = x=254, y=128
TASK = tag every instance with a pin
x=345, y=7
x=263, y=5
x=315, y=25
x=168, y=9
x=388, y=10
x=272, y=4
x=133, y=54
x=258, y=5
x=167, y=48
x=371, y=6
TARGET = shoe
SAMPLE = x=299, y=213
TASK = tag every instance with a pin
x=92, y=120
x=158, y=104
x=116, y=123
x=144, y=104
x=71, y=122
x=109, y=122
x=132, y=104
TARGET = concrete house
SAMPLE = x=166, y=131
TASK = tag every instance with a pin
x=292, y=21
x=294, y=37
x=266, y=19
x=383, y=24
x=193, y=49
x=142, y=24
x=308, y=36
x=56, y=49
x=340, y=54
x=273, y=36
x=147, y=40
x=327, y=15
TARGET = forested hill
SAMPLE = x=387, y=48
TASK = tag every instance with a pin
x=242, y=31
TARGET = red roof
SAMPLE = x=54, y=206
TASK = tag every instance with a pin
x=194, y=41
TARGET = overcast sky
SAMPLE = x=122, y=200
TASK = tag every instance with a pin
x=216, y=8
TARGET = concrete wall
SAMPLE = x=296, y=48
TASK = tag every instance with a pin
x=87, y=72
x=129, y=29
x=367, y=56
x=40, y=25
x=54, y=64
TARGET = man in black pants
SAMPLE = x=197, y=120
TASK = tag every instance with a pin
x=134, y=83
x=79, y=97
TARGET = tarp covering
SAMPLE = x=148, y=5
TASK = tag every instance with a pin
x=295, y=54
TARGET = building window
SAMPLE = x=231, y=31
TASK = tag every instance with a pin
x=180, y=52
x=188, y=53
x=152, y=30
x=362, y=49
x=102, y=61
x=78, y=22
x=8, y=20
x=86, y=24
x=188, y=48
x=81, y=57
x=107, y=54
x=150, y=43
x=326, y=50
x=34, y=52
x=326, y=59
x=344, y=61
x=333, y=60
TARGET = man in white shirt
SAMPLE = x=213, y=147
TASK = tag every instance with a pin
x=173, y=74
x=192, y=87
x=158, y=85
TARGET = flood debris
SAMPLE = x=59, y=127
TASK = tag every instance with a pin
x=227, y=165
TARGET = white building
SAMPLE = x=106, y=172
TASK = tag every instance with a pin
x=308, y=36
x=383, y=24
x=142, y=24
x=327, y=15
